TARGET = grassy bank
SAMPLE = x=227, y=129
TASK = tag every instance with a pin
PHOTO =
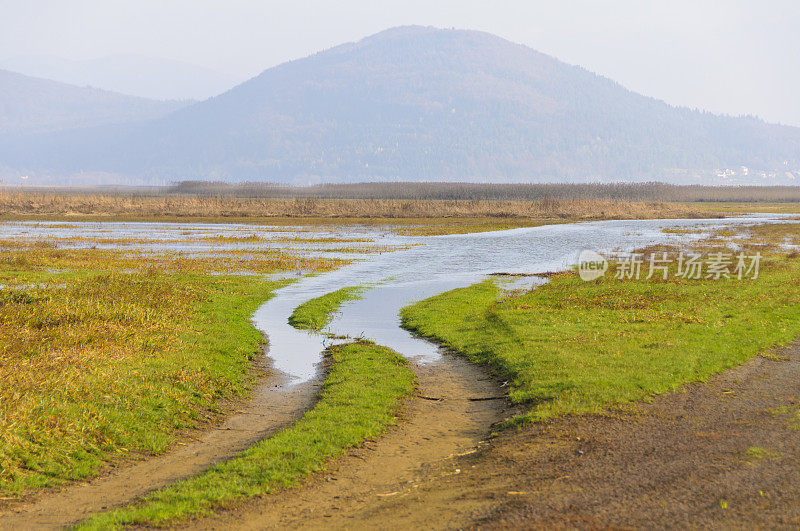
x=580, y=347
x=362, y=391
x=96, y=366
x=316, y=313
x=17, y=255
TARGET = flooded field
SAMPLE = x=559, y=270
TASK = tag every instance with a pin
x=397, y=269
x=87, y=288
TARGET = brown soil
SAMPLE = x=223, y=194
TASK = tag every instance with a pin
x=274, y=404
x=454, y=411
x=725, y=454
x=720, y=454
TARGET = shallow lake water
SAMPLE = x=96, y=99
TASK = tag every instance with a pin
x=400, y=278
x=420, y=268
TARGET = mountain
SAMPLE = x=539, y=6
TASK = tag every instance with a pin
x=146, y=77
x=32, y=105
x=416, y=103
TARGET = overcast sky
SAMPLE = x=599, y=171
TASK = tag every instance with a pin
x=731, y=56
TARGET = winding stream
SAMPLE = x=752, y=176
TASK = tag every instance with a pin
x=420, y=267
x=443, y=263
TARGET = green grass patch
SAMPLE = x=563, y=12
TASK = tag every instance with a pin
x=790, y=412
x=362, y=392
x=316, y=313
x=572, y=347
x=757, y=452
x=96, y=366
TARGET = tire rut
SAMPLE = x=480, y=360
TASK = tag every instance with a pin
x=274, y=404
x=422, y=446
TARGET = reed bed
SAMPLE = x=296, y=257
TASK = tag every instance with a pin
x=43, y=204
x=632, y=192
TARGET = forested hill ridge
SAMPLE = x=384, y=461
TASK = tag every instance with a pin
x=425, y=104
x=34, y=105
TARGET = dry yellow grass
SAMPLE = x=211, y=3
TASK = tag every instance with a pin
x=16, y=205
x=745, y=208
x=41, y=255
x=104, y=353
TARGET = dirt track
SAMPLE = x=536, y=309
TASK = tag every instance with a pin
x=451, y=416
x=720, y=454
x=713, y=455
x=273, y=405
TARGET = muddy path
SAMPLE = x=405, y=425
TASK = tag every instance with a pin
x=273, y=405
x=722, y=454
x=452, y=414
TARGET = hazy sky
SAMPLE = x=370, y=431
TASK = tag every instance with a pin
x=732, y=56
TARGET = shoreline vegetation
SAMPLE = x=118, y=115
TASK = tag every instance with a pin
x=31, y=256
x=419, y=209
x=315, y=314
x=574, y=347
x=22, y=205
x=109, y=355
x=101, y=366
x=363, y=389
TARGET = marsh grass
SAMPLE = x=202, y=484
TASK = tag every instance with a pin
x=43, y=255
x=776, y=234
x=572, y=347
x=774, y=206
x=294, y=239
x=362, y=392
x=95, y=366
x=768, y=238
x=49, y=205
x=316, y=313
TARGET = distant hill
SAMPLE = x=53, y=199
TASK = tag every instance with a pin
x=33, y=105
x=426, y=104
x=146, y=77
